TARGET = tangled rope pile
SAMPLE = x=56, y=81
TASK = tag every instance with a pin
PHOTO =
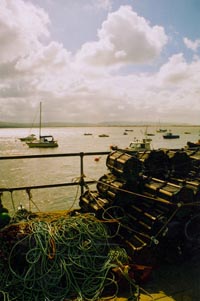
x=67, y=258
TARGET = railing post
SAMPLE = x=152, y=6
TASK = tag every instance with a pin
x=82, y=183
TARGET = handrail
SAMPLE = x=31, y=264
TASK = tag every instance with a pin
x=54, y=155
x=81, y=182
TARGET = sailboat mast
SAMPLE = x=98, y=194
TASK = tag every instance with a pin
x=40, y=126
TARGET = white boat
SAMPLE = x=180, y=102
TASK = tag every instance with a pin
x=161, y=130
x=43, y=141
x=139, y=145
x=135, y=146
x=30, y=137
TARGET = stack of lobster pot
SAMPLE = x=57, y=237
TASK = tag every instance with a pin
x=180, y=163
x=91, y=201
x=124, y=166
x=125, y=169
x=193, y=185
x=142, y=208
x=155, y=163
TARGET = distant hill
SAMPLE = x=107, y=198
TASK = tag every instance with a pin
x=84, y=124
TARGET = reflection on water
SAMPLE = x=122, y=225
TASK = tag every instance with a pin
x=15, y=173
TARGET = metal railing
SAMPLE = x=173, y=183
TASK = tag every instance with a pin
x=81, y=182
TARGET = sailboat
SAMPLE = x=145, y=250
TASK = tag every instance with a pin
x=42, y=141
x=148, y=134
x=161, y=130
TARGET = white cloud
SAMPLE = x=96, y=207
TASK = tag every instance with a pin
x=83, y=87
x=175, y=70
x=124, y=38
x=21, y=27
x=193, y=45
x=53, y=55
x=100, y=4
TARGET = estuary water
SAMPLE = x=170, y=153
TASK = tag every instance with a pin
x=30, y=172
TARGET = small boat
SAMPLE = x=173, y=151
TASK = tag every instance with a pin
x=169, y=135
x=31, y=137
x=150, y=134
x=114, y=147
x=42, y=141
x=193, y=144
x=161, y=130
x=135, y=146
x=139, y=145
x=103, y=135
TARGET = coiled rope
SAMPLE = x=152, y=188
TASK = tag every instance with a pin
x=67, y=258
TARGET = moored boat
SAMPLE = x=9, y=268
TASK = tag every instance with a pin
x=193, y=144
x=30, y=137
x=161, y=130
x=135, y=146
x=44, y=141
x=103, y=135
x=139, y=145
x=169, y=135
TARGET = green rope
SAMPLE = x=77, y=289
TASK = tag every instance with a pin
x=69, y=258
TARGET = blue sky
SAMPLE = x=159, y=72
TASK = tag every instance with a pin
x=100, y=60
x=77, y=24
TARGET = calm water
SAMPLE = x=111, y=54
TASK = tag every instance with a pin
x=15, y=173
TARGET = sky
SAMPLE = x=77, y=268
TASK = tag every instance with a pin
x=100, y=60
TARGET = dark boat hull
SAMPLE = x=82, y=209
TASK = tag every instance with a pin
x=193, y=144
x=171, y=137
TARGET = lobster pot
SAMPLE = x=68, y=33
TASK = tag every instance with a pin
x=192, y=229
x=195, y=155
x=111, y=187
x=168, y=191
x=124, y=165
x=193, y=185
x=90, y=201
x=144, y=220
x=180, y=163
x=156, y=163
x=195, y=158
x=142, y=224
x=137, y=242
